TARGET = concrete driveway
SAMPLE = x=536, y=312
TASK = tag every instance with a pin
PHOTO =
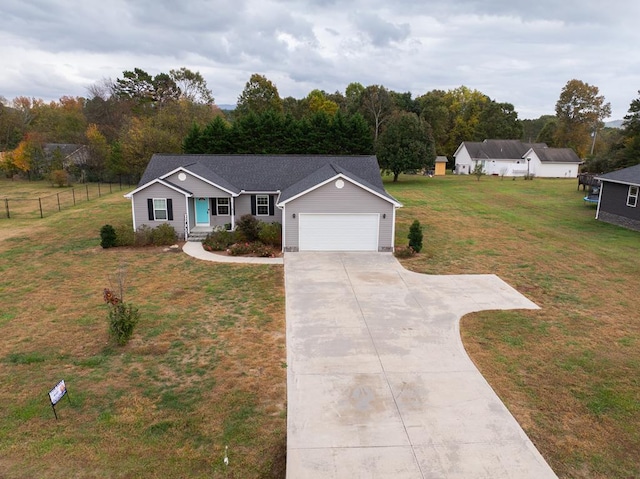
x=379, y=385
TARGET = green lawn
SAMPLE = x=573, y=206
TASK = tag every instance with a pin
x=570, y=372
x=205, y=368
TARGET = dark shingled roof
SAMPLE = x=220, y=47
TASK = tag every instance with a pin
x=557, y=155
x=499, y=149
x=289, y=174
x=630, y=176
x=513, y=149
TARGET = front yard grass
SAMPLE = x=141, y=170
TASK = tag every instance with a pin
x=570, y=373
x=206, y=365
x=205, y=368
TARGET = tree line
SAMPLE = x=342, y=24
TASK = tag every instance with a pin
x=124, y=122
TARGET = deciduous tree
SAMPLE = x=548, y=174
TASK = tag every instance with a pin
x=259, y=95
x=405, y=144
x=580, y=111
x=192, y=85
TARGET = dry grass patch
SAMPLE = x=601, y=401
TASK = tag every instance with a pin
x=570, y=373
x=204, y=369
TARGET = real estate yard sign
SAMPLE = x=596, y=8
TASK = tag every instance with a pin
x=57, y=393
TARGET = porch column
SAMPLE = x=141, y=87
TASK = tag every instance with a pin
x=233, y=212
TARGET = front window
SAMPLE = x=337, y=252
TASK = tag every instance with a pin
x=159, y=209
x=632, y=197
x=262, y=205
x=224, y=207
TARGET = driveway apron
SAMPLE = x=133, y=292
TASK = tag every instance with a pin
x=379, y=384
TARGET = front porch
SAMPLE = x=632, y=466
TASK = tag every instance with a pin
x=199, y=233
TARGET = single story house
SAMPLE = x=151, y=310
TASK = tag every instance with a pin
x=324, y=203
x=516, y=158
x=618, y=203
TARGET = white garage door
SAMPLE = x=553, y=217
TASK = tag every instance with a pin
x=338, y=232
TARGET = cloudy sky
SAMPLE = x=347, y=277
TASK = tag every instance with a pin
x=517, y=51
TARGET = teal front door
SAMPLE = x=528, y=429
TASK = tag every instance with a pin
x=202, y=211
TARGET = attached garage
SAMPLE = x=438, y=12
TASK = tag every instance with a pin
x=338, y=232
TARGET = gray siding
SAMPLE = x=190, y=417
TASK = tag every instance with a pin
x=614, y=201
x=243, y=207
x=329, y=199
x=197, y=187
x=159, y=191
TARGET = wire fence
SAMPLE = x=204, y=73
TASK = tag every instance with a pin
x=47, y=205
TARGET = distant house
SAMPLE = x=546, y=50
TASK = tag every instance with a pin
x=516, y=158
x=324, y=203
x=619, y=203
x=70, y=154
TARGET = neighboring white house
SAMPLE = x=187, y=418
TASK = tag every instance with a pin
x=516, y=158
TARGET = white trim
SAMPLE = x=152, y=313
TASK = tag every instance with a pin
x=258, y=205
x=284, y=228
x=195, y=210
x=158, y=180
x=393, y=230
x=344, y=177
x=635, y=197
x=133, y=213
x=599, y=200
x=377, y=216
x=233, y=213
x=228, y=205
x=618, y=182
x=182, y=168
x=166, y=209
x=186, y=209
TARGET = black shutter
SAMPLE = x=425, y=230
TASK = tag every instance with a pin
x=169, y=209
x=214, y=206
x=150, y=208
x=253, y=205
x=272, y=206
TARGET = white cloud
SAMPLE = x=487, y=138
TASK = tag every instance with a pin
x=515, y=51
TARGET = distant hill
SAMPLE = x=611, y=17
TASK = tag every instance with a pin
x=613, y=124
x=226, y=107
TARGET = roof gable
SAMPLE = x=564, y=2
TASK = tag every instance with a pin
x=628, y=176
x=326, y=174
x=166, y=183
x=264, y=172
x=556, y=155
x=498, y=149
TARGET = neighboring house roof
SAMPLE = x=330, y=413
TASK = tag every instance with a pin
x=512, y=149
x=288, y=174
x=627, y=176
x=69, y=151
x=498, y=149
x=556, y=155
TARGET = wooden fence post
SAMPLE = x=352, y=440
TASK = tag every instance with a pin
x=40, y=204
x=86, y=186
x=6, y=205
x=73, y=192
x=58, y=195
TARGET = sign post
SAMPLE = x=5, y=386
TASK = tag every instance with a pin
x=57, y=393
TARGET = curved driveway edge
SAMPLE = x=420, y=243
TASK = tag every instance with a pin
x=378, y=382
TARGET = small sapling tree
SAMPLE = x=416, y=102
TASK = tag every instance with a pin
x=478, y=170
x=415, y=236
x=122, y=317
